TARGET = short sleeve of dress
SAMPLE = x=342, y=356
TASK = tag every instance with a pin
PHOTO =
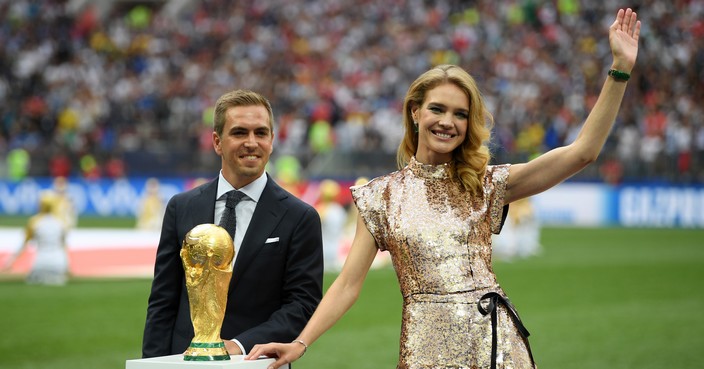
x=495, y=181
x=369, y=199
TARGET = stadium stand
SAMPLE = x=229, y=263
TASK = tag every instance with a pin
x=115, y=88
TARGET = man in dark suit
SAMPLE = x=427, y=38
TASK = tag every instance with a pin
x=277, y=277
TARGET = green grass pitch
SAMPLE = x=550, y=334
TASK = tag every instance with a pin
x=595, y=298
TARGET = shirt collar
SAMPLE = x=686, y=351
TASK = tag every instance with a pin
x=253, y=190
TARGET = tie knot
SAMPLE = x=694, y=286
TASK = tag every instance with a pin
x=233, y=198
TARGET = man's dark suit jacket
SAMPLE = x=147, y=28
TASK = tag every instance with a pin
x=275, y=286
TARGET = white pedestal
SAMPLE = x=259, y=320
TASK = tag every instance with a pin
x=177, y=362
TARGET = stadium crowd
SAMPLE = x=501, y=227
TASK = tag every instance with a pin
x=107, y=89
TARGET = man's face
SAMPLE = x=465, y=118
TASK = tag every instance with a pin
x=245, y=145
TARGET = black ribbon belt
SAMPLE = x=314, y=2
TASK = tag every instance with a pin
x=494, y=300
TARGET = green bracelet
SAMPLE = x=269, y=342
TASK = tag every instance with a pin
x=619, y=76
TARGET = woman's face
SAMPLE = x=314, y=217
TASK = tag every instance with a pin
x=442, y=123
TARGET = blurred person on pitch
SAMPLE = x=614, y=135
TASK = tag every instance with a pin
x=520, y=235
x=48, y=234
x=278, y=269
x=64, y=208
x=382, y=259
x=436, y=216
x=333, y=216
x=151, y=210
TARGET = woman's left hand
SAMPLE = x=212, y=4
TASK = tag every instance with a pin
x=623, y=38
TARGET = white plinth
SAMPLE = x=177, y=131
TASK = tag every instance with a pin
x=177, y=362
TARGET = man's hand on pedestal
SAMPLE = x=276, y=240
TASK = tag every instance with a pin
x=232, y=348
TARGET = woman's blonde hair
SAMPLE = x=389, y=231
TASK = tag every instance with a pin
x=471, y=158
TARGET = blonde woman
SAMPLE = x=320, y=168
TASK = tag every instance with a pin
x=437, y=214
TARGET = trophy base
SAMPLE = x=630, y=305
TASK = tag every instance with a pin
x=177, y=361
x=206, y=351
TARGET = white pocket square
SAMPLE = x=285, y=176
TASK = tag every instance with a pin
x=271, y=240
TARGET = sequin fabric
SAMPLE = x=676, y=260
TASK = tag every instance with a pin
x=439, y=237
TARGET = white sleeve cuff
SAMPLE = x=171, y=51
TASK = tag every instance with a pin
x=239, y=345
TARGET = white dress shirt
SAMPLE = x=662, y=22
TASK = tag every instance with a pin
x=245, y=208
x=243, y=211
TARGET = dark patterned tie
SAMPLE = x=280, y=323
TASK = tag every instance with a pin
x=228, y=218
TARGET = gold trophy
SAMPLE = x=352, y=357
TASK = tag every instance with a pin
x=207, y=255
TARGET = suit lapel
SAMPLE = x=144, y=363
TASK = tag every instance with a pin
x=203, y=208
x=266, y=217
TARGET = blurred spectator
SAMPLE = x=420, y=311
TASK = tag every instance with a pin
x=60, y=165
x=18, y=162
x=627, y=148
x=698, y=165
x=115, y=167
x=89, y=167
x=320, y=137
x=287, y=170
x=611, y=171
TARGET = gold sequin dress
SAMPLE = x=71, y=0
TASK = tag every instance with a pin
x=439, y=238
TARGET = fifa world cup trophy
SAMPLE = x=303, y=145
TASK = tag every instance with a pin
x=207, y=253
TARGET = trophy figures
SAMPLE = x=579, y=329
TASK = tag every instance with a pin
x=207, y=253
